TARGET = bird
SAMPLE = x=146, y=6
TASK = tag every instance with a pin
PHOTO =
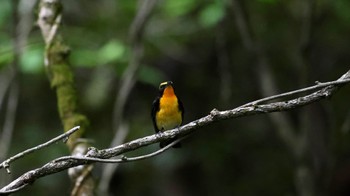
x=167, y=111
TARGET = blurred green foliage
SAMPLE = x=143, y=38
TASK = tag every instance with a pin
x=212, y=14
x=6, y=55
x=178, y=8
x=32, y=61
x=5, y=12
x=188, y=42
x=112, y=51
x=342, y=10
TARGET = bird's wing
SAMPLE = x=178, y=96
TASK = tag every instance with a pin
x=181, y=108
x=155, y=108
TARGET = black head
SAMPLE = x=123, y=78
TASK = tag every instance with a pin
x=163, y=85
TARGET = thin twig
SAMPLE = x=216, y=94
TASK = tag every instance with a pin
x=223, y=60
x=290, y=93
x=5, y=164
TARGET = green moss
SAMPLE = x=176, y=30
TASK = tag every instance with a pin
x=58, y=52
x=67, y=100
x=62, y=79
x=72, y=121
x=61, y=74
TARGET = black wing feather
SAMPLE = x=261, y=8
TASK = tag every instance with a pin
x=181, y=108
x=155, y=109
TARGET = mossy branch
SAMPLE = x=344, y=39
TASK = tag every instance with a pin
x=59, y=71
x=61, y=79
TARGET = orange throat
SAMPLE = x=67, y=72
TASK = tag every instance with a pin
x=169, y=92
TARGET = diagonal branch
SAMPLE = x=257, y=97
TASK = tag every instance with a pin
x=58, y=165
x=123, y=158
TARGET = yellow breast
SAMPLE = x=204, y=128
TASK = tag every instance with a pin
x=168, y=116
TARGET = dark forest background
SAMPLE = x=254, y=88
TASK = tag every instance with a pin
x=219, y=54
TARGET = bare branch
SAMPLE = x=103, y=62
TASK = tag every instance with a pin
x=64, y=136
x=58, y=165
x=123, y=158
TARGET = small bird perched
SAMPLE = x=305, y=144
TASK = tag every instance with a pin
x=167, y=111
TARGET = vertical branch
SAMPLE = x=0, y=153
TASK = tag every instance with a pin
x=224, y=64
x=345, y=127
x=7, y=131
x=59, y=70
x=316, y=135
x=242, y=26
x=8, y=126
x=12, y=87
x=127, y=83
x=304, y=179
x=296, y=143
x=129, y=76
x=61, y=79
x=306, y=25
x=283, y=125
